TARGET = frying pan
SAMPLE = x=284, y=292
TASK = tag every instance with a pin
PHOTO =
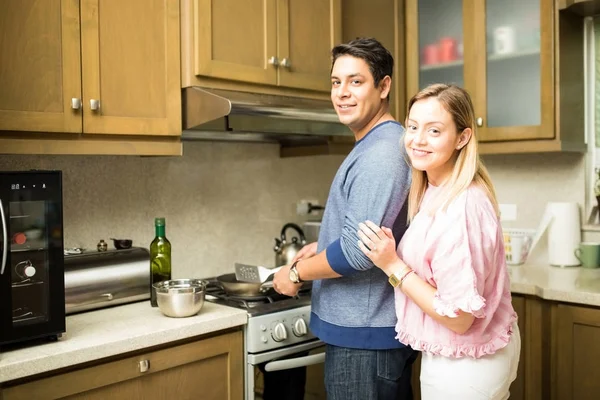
x=233, y=287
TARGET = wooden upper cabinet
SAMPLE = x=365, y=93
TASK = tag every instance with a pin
x=131, y=67
x=235, y=39
x=273, y=42
x=521, y=61
x=307, y=31
x=40, y=70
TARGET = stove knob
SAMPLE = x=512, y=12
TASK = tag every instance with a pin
x=299, y=327
x=279, y=333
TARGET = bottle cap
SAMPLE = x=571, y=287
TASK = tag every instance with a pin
x=159, y=221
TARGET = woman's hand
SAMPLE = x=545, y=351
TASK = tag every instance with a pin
x=378, y=244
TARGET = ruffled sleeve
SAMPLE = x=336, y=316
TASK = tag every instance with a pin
x=461, y=254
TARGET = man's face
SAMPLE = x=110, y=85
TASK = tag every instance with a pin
x=353, y=93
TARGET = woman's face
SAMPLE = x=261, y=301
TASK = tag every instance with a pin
x=432, y=141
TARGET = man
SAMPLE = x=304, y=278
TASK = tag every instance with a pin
x=352, y=302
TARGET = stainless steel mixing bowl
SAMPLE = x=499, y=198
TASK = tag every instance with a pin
x=180, y=297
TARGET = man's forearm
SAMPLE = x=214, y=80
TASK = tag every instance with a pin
x=316, y=267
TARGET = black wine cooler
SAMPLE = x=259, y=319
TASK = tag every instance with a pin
x=32, y=282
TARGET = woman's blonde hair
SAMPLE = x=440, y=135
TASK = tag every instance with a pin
x=468, y=167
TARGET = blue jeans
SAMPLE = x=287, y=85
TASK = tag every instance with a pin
x=355, y=374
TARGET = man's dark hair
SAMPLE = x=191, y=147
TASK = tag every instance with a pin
x=377, y=57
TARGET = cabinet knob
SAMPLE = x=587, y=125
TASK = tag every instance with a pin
x=75, y=103
x=94, y=105
x=286, y=63
x=144, y=365
x=274, y=61
x=479, y=121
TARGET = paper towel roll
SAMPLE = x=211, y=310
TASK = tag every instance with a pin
x=564, y=234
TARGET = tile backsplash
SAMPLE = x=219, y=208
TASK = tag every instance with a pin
x=226, y=202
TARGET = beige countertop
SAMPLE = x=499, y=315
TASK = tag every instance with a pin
x=103, y=333
x=572, y=285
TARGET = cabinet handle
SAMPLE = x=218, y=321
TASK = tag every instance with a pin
x=75, y=103
x=274, y=61
x=144, y=365
x=286, y=63
x=479, y=122
x=94, y=105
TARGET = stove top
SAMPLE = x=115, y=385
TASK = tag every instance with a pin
x=269, y=302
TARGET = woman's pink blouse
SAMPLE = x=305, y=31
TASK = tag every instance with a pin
x=459, y=251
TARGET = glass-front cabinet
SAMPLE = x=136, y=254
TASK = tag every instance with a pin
x=501, y=51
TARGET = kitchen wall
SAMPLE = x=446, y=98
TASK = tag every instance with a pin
x=226, y=202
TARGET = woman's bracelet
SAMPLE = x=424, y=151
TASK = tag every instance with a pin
x=410, y=271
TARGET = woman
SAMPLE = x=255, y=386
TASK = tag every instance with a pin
x=451, y=283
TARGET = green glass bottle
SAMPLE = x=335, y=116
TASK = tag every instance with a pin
x=160, y=258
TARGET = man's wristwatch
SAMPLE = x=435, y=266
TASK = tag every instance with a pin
x=294, y=276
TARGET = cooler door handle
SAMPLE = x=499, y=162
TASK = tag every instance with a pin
x=4, y=239
x=295, y=362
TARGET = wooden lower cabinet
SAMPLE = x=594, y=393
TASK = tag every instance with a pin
x=210, y=368
x=576, y=353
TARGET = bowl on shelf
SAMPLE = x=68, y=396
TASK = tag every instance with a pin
x=122, y=244
x=180, y=297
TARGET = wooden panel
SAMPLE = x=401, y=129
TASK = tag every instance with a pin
x=130, y=58
x=576, y=353
x=96, y=146
x=307, y=46
x=388, y=27
x=210, y=368
x=546, y=130
x=412, y=48
x=234, y=40
x=40, y=69
x=569, y=65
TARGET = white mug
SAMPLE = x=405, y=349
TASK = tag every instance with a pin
x=517, y=248
x=504, y=40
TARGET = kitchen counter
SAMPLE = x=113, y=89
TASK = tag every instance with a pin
x=572, y=285
x=111, y=331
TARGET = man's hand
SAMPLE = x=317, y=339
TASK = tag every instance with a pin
x=305, y=252
x=282, y=283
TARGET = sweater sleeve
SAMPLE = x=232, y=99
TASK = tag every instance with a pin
x=377, y=186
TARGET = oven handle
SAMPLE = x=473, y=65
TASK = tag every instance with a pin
x=4, y=238
x=295, y=362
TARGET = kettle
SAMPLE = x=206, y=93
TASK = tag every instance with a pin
x=285, y=250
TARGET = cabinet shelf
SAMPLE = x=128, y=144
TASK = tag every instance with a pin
x=492, y=57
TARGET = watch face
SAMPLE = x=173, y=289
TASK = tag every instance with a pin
x=394, y=281
x=294, y=275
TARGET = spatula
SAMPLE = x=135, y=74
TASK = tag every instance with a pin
x=253, y=273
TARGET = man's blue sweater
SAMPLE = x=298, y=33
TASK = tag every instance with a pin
x=357, y=310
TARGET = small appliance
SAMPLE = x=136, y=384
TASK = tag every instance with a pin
x=32, y=275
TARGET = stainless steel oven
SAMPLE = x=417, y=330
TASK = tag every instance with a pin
x=278, y=345
x=32, y=289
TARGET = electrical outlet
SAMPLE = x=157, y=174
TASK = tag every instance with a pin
x=508, y=212
x=308, y=207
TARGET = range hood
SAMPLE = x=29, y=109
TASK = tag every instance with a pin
x=212, y=114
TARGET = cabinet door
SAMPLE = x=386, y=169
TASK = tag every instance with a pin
x=576, y=353
x=40, y=71
x=307, y=30
x=131, y=67
x=434, y=43
x=236, y=40
x=207, y=369
x=511, y=52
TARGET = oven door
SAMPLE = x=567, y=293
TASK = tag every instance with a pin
x=305, y=360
